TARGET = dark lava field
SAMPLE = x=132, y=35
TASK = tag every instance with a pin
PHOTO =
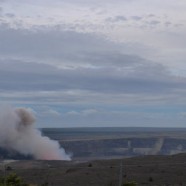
x=145, y=170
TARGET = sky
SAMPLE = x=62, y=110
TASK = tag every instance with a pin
x=95, y=63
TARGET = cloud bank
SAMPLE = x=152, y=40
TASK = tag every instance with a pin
x=121, y=59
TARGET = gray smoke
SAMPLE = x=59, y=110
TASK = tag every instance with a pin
x=17, y=132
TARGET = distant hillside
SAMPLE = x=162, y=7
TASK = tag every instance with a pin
x=108, y=143
x=105, y=143
x=11, y=154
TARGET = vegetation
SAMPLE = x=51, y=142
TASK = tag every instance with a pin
x=12, y=180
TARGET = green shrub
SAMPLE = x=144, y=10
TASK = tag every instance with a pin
x=12, y=180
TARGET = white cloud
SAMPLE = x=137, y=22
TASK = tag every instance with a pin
x=107, y=118
x=153, y=25
x=89, y=111
x=72, y=113
x=51, y=112
x=82, y=113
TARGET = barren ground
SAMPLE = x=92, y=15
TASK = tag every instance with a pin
x=147, y=170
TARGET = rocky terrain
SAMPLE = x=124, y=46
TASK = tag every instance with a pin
x=145, y=170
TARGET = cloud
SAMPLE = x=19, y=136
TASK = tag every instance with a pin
x=136, y=18
x=83, y=113
x=51, y=65
x=105, y=54
x=95, y=2
x=154, y=22
x=119, y=118
x=47, y=44
x=10, y=15
x=51, y=113
x=135, y=82
x=116, y=19
x=111, y=72
x=168, y=23
x=1, y=11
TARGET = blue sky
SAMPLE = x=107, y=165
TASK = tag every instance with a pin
x=95, y=63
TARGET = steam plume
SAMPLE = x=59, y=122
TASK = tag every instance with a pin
x=17, y=132
x=157, y=147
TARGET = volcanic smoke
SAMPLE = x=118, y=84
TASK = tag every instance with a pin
x=17, y=132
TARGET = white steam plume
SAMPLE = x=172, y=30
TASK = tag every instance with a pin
x=18, y=133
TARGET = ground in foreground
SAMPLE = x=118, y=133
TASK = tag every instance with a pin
x=147, y=170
